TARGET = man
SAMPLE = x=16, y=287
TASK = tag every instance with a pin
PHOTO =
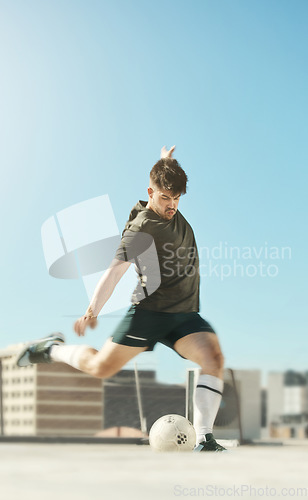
x=165, y=303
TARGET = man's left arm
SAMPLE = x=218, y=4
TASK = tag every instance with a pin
x=164, y=153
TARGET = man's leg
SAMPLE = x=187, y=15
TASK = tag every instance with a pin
x=203, y=348
x=102, y=364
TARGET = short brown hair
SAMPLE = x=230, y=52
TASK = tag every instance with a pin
x=168, y=174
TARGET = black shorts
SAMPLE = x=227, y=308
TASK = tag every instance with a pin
x=142, y=328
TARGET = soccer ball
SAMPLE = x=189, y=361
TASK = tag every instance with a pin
x=172, y=433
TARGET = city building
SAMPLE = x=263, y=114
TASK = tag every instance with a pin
x=287, y=404
x=48, y=399
x=121, y=402
x=55, y=399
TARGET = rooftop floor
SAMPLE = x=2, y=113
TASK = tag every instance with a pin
x=43, y=471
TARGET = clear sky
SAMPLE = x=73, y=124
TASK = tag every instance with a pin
x=89, y=93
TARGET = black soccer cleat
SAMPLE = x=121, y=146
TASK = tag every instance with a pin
x=38, y=351
x=210, y=444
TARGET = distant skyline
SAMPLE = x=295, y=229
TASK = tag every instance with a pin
x=90, y=92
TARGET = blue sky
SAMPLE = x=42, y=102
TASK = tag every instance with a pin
x=91, y=90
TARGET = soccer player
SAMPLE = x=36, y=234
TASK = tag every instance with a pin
x=165, y=304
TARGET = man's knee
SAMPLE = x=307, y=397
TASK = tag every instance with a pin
x=212, y=359
x=219, y=359
x=100, y=369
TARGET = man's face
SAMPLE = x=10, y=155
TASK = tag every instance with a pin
x=163, y=202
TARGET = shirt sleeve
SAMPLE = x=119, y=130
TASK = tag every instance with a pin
x=133, y=244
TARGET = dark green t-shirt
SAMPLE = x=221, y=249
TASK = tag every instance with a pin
x=166, y=259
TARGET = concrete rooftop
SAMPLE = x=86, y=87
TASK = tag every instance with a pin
x=40, y=471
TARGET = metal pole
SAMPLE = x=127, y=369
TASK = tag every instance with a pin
x=192, y=374
x=238, y=406
x=142, y=419
x=190, y=386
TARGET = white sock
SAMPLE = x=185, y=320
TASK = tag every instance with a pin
x=206, y=404
x=69, y=354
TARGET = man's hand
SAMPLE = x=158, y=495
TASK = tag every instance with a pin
x=82, y=323
x=102, y=293
x=166, y=154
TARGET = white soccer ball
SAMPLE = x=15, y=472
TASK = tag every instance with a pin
x=172, y=433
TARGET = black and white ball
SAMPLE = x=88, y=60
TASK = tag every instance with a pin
x=172, y=433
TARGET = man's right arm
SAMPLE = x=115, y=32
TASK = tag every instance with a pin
x=102, y=293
